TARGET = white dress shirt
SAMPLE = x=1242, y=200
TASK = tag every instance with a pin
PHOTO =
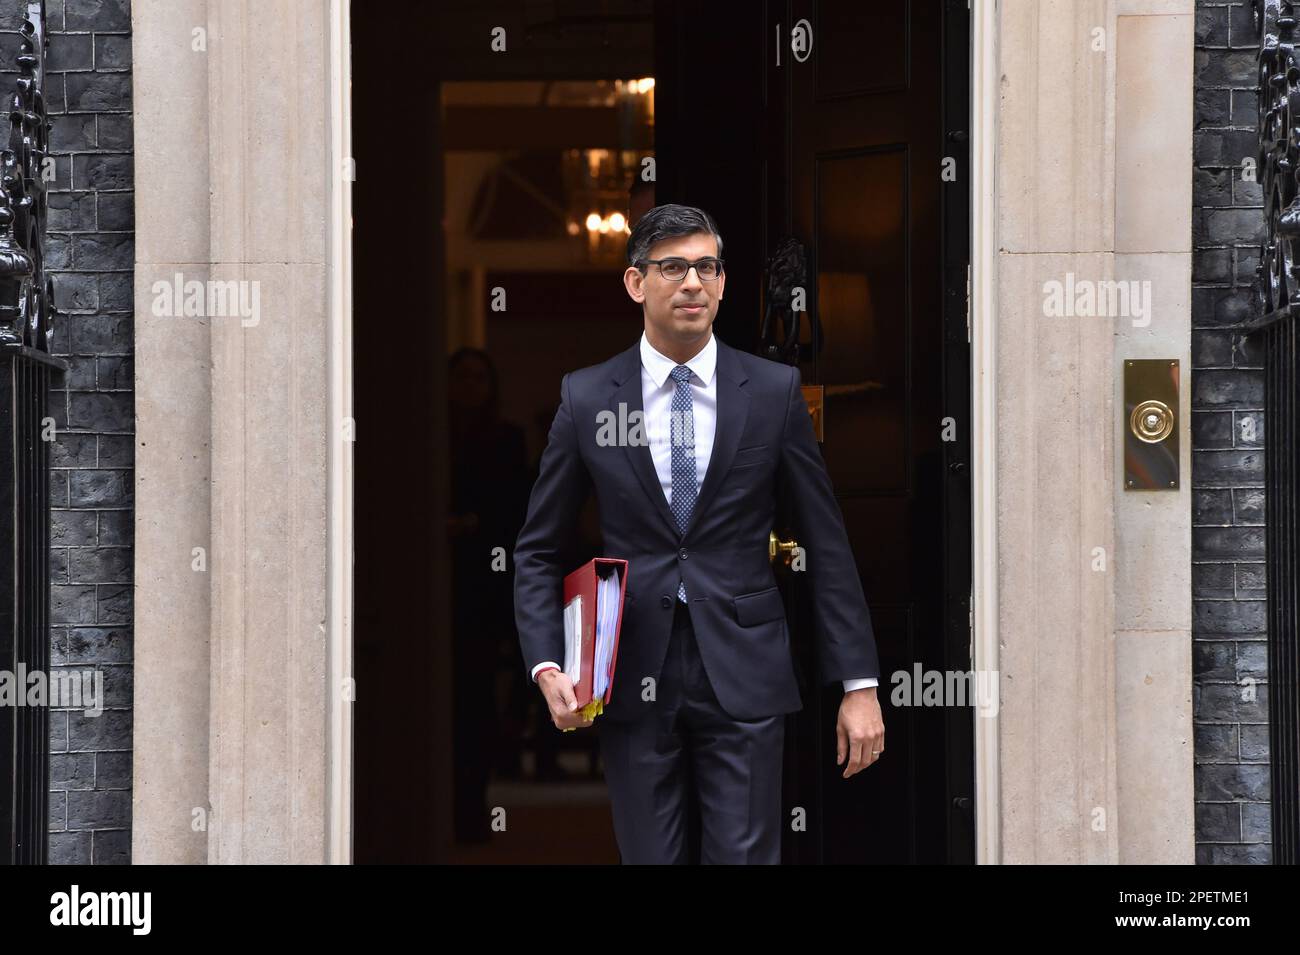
x=657, y=390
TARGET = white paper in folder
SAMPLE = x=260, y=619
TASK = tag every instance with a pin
x=573, y=639
x=606, y=627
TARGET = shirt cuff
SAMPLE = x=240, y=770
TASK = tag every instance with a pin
x=860, y=684
x=545, y=664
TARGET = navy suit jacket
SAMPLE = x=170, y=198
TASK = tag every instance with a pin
x=763, y=428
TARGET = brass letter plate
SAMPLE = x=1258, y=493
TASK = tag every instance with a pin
x=1150, y=424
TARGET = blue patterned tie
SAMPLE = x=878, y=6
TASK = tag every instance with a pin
x=682, y=433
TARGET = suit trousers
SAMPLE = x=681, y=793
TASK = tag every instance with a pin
x=686, y=760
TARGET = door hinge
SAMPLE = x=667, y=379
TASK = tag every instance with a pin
x=970, y=624
x=968, y=303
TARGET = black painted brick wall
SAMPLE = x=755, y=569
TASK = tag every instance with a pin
x=90, y=250
x=1229, y=628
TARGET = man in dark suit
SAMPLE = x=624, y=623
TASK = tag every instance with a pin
x=682, y=438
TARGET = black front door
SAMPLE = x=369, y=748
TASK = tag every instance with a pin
x=844, y=126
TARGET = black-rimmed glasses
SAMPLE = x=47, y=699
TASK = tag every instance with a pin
x=674, y=269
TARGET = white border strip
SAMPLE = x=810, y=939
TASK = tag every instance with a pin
x=984, y=263
x=339, y=176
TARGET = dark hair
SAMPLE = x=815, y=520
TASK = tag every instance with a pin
x=668, y=221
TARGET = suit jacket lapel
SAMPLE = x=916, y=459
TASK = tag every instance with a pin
x=732, y=413
x=627, y=393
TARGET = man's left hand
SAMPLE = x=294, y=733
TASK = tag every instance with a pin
x=859, y=731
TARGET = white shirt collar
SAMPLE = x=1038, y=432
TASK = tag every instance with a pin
x=659, y=365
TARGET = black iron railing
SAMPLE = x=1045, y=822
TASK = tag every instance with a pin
x=26, y=430
x=1279, y=310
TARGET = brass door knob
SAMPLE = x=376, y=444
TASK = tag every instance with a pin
x=779, y=548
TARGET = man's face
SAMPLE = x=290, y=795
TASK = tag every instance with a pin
x=677, y=312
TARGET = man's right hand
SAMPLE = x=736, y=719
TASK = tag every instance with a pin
x=557, y=689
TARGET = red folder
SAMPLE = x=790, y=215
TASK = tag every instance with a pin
x=582, y=583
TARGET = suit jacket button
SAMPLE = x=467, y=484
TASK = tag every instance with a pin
x=682, y=553
x=665, y=601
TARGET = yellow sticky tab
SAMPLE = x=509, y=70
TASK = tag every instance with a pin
x=588, y=712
